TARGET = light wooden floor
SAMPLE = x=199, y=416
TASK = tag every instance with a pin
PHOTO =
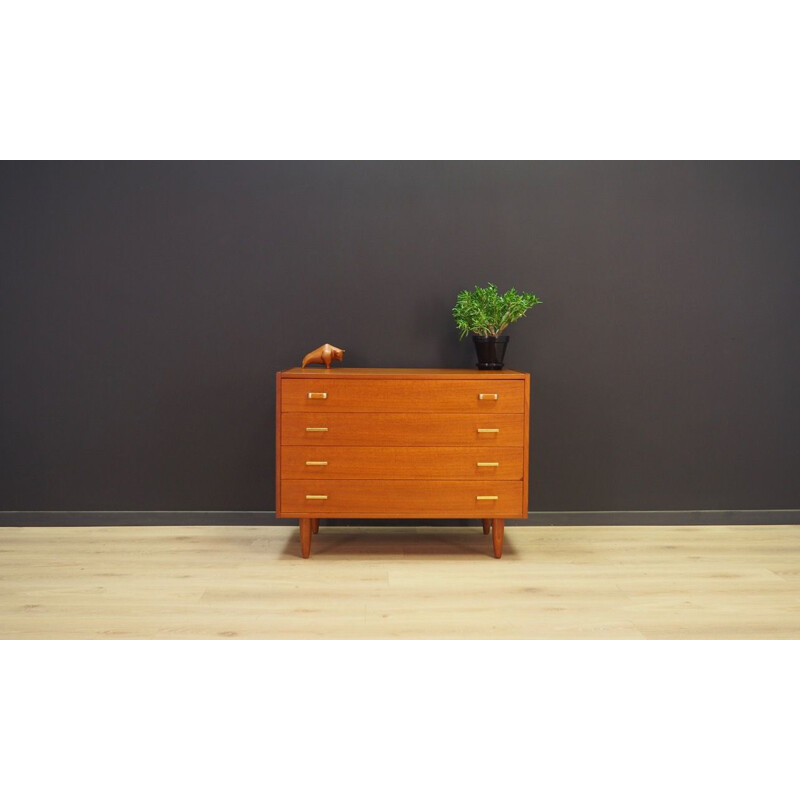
x=705, y=582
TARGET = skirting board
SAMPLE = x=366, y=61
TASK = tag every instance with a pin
x=770, y=516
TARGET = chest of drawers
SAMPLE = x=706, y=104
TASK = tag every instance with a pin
x=402, y=443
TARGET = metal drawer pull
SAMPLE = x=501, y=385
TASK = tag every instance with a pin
x=487, y=396
x=487, y=497
x=483, y=463
x=312, y=430
x=484, y=430
x=316, y=463
x=316, y=497
x=317, y=395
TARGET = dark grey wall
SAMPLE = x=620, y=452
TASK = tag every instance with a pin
x=145, y=307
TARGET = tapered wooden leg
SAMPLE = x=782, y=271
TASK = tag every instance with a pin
x=487, y=525
x=305, y=537
x=314, y=526
x=498, y=528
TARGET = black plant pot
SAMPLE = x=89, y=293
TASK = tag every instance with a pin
x=491, y=351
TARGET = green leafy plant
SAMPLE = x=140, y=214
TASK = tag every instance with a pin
x=486, y=312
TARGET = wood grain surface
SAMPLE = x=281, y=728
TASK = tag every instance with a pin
x=392, y=373
x=454, y=463
x=400, y=429
x=421, y=396
x=688, y=582
x=390, y=499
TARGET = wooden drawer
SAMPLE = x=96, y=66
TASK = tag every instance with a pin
x=401, y=498
x=429, y=396
x=402, y=429
x=455, y=463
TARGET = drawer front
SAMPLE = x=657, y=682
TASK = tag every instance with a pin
x=401, y=498
x=479, y=430
x=455, y=463
x=369, y=395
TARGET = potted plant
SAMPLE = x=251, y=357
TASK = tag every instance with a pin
x=486, y=314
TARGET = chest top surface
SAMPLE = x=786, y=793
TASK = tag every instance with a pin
x=340, y=373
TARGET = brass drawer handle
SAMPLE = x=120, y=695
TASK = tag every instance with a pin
x=316, y=497
x=316, y=463
x=486, y=463
x=317, y=395
x=313, y=430
x=487, y=396
x=487, y=497
x=488, y=430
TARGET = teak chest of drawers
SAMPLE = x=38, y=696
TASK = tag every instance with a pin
x=400, y=443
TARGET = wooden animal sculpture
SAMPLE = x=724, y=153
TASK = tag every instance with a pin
x=324, y=355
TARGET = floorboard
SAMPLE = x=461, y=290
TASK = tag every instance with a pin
x=657, y=582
